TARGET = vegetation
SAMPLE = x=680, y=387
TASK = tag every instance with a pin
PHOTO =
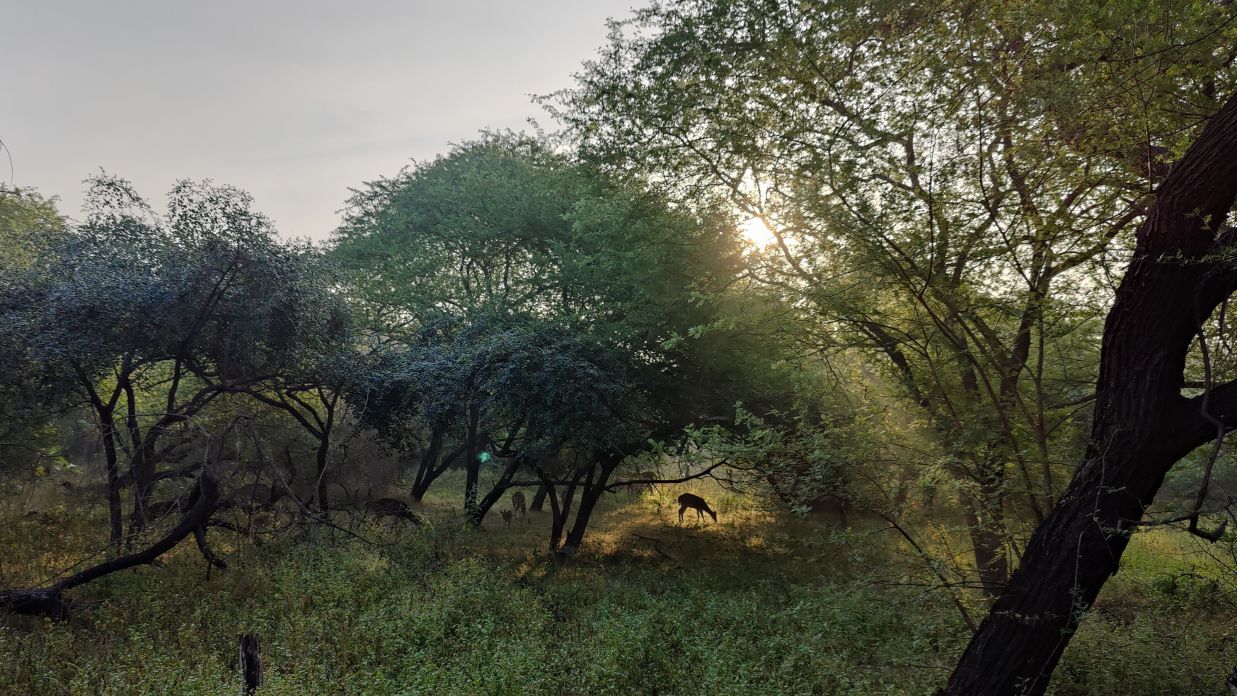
x=925, y=304
x=758, y=603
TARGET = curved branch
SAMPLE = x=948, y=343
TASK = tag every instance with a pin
x=50, y=601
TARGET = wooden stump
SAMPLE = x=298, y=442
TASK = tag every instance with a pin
x=251, y=664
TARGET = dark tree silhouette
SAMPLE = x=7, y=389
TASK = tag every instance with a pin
x=1180, y=273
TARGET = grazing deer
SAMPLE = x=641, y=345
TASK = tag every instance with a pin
x=251, y=498
x=391, y=507
x=517, y=504
x=507, y=514
x=695, y=502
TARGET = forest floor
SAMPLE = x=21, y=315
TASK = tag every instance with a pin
x=757, y=603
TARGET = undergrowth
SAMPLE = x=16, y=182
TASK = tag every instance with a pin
x=753, y=605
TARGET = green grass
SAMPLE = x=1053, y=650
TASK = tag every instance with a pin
x=757, y=604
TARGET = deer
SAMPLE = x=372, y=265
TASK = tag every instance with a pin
x=255, y=500
x=518, y=505
x=507, y=514
x=391, y=507
x=252, y=497
x=645, y=477
x=695, y=502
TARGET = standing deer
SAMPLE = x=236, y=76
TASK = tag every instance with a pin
x=517, y=504
x=392, y=507
x=695, y=502
x=507, y=518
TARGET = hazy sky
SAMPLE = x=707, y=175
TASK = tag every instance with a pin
x=293, y=101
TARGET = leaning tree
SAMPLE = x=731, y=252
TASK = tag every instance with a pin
x=1181, y=271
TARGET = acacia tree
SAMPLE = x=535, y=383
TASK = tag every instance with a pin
x=940, y=195
x=317, y=360
x=148, y=319
x=575, y=407
x=505, y=228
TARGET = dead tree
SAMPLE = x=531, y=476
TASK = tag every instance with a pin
x=251, y=663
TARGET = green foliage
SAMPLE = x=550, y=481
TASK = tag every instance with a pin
x=29, y=222
x=206, y=287
x=504, y=224
x=29, y=226
x=556, y=385
x=947, y=184
x=524, y=295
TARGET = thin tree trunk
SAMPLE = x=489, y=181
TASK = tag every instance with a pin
x=142, y=469
x=112, y=469
x=429, y=461
x=562, y=511
x=593, y=490
x=984, y=525
x=472, y=467
x=539, y=498
x=322, y=460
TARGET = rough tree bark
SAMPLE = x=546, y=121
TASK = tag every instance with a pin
x=433, y=463
x=496, y=493
x=1141, y=427
x=105, y=412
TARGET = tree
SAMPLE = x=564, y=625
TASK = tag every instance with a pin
x=29, y=226
x=28, y=223
x=148, y=319
x=945, y=184
x=1180, y=273
x=461, y=260
x=318, y=358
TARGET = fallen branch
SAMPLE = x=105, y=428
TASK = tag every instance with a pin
x=50, y=601
x=199, y=535
x=656, y=547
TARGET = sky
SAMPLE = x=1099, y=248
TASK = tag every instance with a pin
x=295, y=101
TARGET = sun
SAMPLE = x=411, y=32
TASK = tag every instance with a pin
x=756, y=233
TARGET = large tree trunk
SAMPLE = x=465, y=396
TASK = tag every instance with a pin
x=425, y=467
x=1142, y=424
x=496, y=493
x=539, y=498
x=433, y=464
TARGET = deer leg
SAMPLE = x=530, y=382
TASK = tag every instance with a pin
x=681, y=510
